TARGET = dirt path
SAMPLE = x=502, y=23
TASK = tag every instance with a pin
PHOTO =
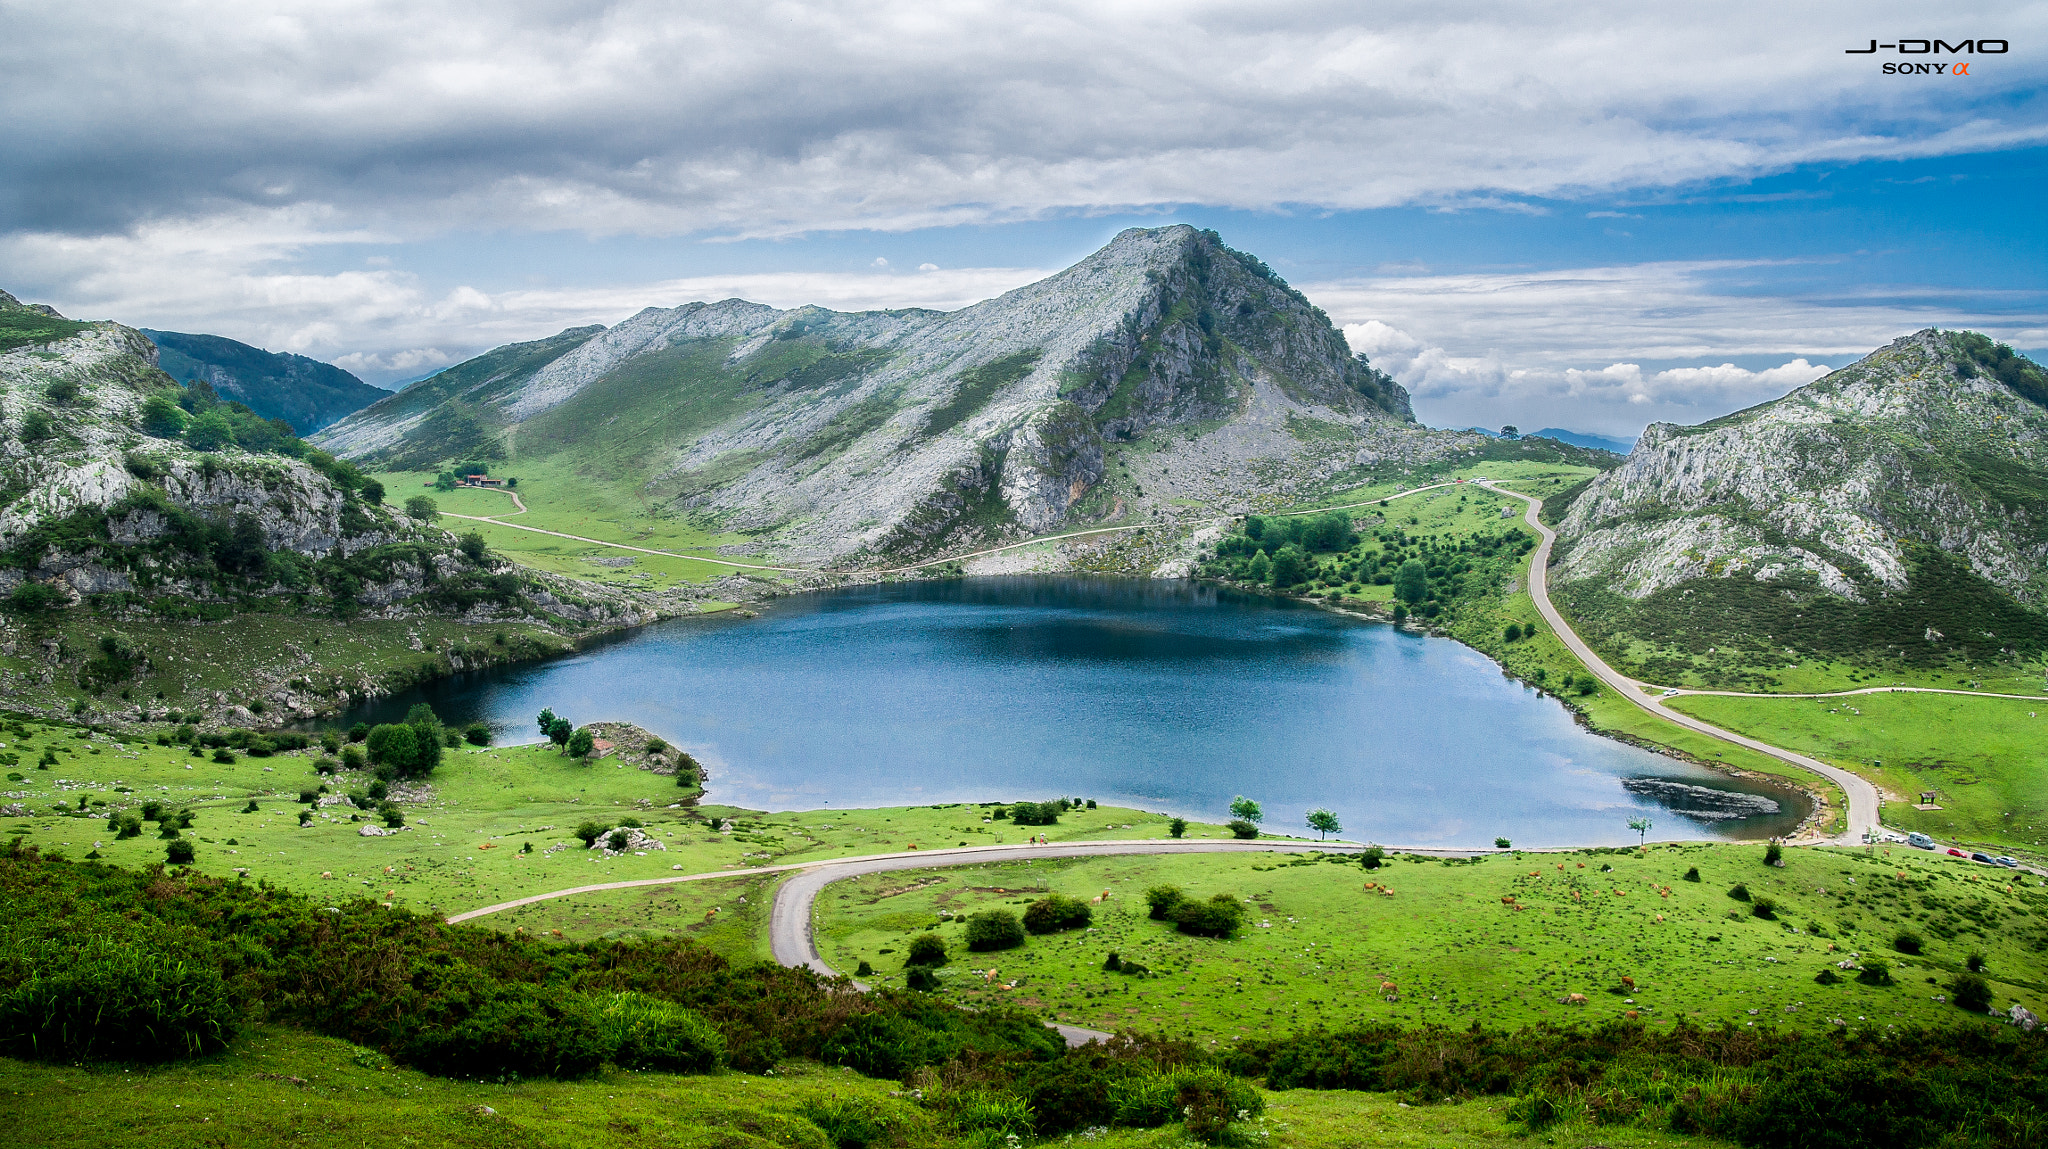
x=1862, y=815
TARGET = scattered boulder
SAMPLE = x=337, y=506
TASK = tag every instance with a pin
x=2023, y=1017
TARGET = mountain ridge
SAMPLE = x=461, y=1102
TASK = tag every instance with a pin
x=837, y=435
x=304, y=392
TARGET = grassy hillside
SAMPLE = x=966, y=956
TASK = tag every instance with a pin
x=304, y=392
x=1326, y=932
x=1984, y=759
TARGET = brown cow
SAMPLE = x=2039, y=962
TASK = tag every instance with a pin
x=1628, y=983
x=1575, y=999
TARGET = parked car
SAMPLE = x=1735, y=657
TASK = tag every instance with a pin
x=1984, y=858
x=1955, y=853
x=1920, y=841
x=2006, y=860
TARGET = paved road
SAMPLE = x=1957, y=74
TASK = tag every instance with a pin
x=1863, y=805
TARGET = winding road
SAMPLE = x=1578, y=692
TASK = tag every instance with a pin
x=1863, y=803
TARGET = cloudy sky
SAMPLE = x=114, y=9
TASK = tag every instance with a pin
x=1581, y=214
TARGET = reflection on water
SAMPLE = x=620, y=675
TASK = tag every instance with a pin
x=1167, y=696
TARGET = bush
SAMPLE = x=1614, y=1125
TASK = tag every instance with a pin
x=1875, y=972
x=1035, y=813
x=106, y=997
x=581, y=743
x=505, y=1028
x=1178, y=828
x=1974, y=963
x=1164, y=900
x=589, y=832
x=1764, y=907
x=1503, y=844
x=1827, y=976
x=224, y=756
x=1372, y=857
x=392, y=815
x=994, y=930
x=655, y=745
x=921, y=978
x=125, y=825
x=1740, y=892
x=477, y=734
x=309, y=796
x=178, y=853
x=1907, y=942
x=1240, y=828
x=1773, y=854
x=1056, y=912
x=648, y=1033
x=422, y=508
x=1970, y=992
x=1205, y=1098
x=353, y=758
x=1219, y=917
x=617, y=841
x=927, y=949
x=1692, y=874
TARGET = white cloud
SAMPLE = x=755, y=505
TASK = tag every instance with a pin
x=772, y=119
x=1565, y=348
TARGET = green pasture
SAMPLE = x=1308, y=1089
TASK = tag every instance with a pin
x=1984, y=759
x=280, y=1086
x=1325, y=933
x=464, y=844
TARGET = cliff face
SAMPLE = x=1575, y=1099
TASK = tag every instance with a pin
x=1932, y=451
x=900, y=432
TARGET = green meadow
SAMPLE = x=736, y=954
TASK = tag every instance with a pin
x=1497, y=941
x=1984, y=759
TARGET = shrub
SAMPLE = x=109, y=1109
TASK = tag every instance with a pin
x=1970, y=992
x=178, y=853
x=1827, y=976
x=994, y=930
x=655, y=745
x=1740, y=892
x=1205, y=1098
x=503, y=1028
x=1503, y=844
x=477, y=734
x=125, y=826
x=309, y=796
x=590, y=831
x=860, y=1122
x=1219, y=917
x=167, y=829
x=1764, y=907
x=921, y=978
x=1056, y=912
x=1974, y=963
x=1692, y=874
x=251, y=808
x=1907, y=942
x=1240, y=828
x=353, y=758
x=224, y=756
x=1164, y=900
x=1372, y=857
x=927, y=949
x=392, y=815
x=648, y=1033
x=108, y=997
x=1035, y=813
x=863, y=969
x=617, y=840
x=422, y=508
x=1875, y=972
x=330, y=742
x=1178, y=828
x=152, y=810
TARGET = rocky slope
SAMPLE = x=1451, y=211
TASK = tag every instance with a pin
x=1899, y=505
x=111, y=511
x=304, y=392
x=1184, y=370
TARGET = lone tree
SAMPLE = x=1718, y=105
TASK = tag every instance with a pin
x=1247, y=809
x=1642, y=828
x=421, y=507
x=1178, y=828
x=581, y=743
x=1411, y=582
x=1324, y=823
x=558, y=733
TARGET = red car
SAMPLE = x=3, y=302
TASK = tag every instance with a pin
x=1957, y=854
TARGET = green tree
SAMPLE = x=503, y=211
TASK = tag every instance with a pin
x=445, y=481
x=546, y=721
x=1178, y=828
x=422, y=508
x=1247, y=809
x=994, y=930
x=581, y=743
x=36, y=427
x=1290, y=566
x=558, y=733
x=1411, y=582
x=372, y=491
x=1509, y=432
x=429, y=736
x=210, y=431
x=1261, y=568
x=927, y=949
x=162, y=418
x=1324, y=822
x=1642, y=828
x=473, y=547
x=393, y=744
x=179, y=853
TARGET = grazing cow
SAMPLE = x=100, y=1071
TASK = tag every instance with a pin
x=1631, y=1015
x=1507, y=900
x=1575, y=999
x=1628, y=983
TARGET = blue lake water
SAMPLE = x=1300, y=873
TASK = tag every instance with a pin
x=1166, y=696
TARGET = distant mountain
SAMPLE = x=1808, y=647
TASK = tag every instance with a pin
x=1582, y=439
x=1895, y=509
x=1163, y=372
x=304, y=392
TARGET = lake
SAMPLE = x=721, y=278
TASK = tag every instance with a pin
x=1167, y=696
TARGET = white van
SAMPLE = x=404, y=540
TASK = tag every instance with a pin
x=1920, y=841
